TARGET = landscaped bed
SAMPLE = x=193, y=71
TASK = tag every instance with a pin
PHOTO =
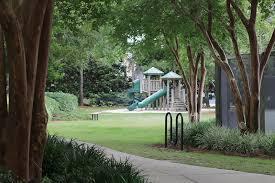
x=68, y=161
x=206, y=136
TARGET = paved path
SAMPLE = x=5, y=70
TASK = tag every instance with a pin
x=159, y=171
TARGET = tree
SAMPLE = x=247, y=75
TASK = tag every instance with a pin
x=81, y=19
x=153, y=24
x=248, y=106
x=25, y=31
x=74, y=53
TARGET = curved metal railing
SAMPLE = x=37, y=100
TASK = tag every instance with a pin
x=178, y=117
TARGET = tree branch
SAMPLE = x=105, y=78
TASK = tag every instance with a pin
x=176, y=55
x=230, y=75
x=253, y=13
x=210, y=16
x=190, y=57
x=202, y=83
x=239, y=13
x=244, y=75
x=266, y=54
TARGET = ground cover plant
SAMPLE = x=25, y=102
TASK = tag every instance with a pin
x=137, y=133
x=68, y=161
x=208, y=136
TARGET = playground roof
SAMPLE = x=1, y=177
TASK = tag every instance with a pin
x=171, y=75
x=153, y=71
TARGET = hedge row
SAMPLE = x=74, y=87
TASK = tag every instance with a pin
x=52, y=107
x=110, y=99
x=206, y=135
x=60, y=102
x=67, y=102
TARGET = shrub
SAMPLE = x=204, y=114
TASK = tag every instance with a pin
x=109, y=99
x=67, y=102
x=191, y=131
x=70, y=162
x=52, y=107
x=207, y=136
x=7, y=177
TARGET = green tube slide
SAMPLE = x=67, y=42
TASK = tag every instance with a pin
x=148, y=100
x=152, y=98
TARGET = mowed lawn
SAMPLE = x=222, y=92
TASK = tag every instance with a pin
x=136, y=133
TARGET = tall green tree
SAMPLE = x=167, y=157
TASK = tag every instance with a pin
x=154, y=24
x=81, y=19
x=233, y=18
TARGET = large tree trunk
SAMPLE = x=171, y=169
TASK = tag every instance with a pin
x=3, y=98
x=254, y=121
x=40, y=116
x=23, y=125
x=18, y=129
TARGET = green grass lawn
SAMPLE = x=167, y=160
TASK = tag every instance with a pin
x=135, y=134
x=81, y=113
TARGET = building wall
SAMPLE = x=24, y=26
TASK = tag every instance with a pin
x=225, y=104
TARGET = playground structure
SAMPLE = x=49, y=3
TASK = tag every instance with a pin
x=157, y=91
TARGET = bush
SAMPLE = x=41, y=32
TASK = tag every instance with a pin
x=67, y=161
x=109, y=99
x=67, y=102
x=191, y=131
x=207, y=136
x=7, y=177
x=70, y=162
x=52, y=107
x=231, y=140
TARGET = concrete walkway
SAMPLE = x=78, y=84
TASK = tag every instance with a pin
x=159, y=171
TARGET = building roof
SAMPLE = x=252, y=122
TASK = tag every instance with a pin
x=153, y=71
x=171, y=75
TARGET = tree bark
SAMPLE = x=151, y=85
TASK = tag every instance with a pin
x=191, y=83
x=40, y=116
x=255, y=80
x=18, y=125
x=27, y=46
x=202, y=84
x=81, y=94
x=240, y=62
x=3, y=98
